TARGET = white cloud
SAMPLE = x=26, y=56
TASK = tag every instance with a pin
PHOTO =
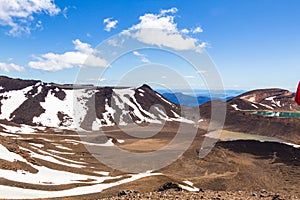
x=82, y=56
x=197, y=30
x=109, y=24
x=18, y=14
x=143, y=57
x=161, y=30
x=185, y=31
x=171, y=10
x=7, y=67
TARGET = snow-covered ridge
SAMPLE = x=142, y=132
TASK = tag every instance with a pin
x=82, y=107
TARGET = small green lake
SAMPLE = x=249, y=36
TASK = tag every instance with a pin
x=277, y=114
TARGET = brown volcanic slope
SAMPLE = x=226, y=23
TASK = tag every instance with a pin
x=266, y=99
x=230, y=166
x=239, y=119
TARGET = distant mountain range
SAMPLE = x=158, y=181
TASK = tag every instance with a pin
x=193, y=101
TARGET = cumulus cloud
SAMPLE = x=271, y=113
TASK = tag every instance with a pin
x=18, y=14
x=171, y=10
x=198, y=29
x=185, y=31
x=143, y=57
x=109, y=24
x=83, y=55
x=161, y=30
x=7, y=67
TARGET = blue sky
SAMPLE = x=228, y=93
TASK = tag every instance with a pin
x=253, y=43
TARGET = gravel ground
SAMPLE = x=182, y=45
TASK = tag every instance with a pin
x=212, y=195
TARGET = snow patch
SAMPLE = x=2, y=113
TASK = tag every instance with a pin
x=235, y=106
x=123, y=99
x=140, y=90
x=5, y=154
x=120, y=141
x=252, y=99
x=255, y=106
x=37, y=145
x=162, y=98
x=23, y=129
x=74, y=106
x=269, y=107
x=60, y=152
x=12, y=100
x=106, y=121
x=62, y=147
x=189, y=188
x=21, y=193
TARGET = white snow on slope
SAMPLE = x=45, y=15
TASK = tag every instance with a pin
x=189, y=188
x=249, y=98
x=62, y=147
x=11, y=101
x=23, y=129
x=269, y=107
x=8, y=135
x=60, y=152
x=252, y=99
x=276, y=103
x=235, y=106
x=109, y=143
x=37, y=145
x=52, y=158
x=74, y=105
x=140, y=90
x=255, y=106
x=107, y=115
x=20, y=193
x=74, y=108
x=292, y=144
x=162, y=98
x=122, y=98
x=9, y=156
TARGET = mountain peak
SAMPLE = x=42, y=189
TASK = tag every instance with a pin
x=145, y=86
x=54, y=105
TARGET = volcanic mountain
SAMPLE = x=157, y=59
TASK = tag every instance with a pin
x=241, y=115
x=265, y=99
x=47, y=104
